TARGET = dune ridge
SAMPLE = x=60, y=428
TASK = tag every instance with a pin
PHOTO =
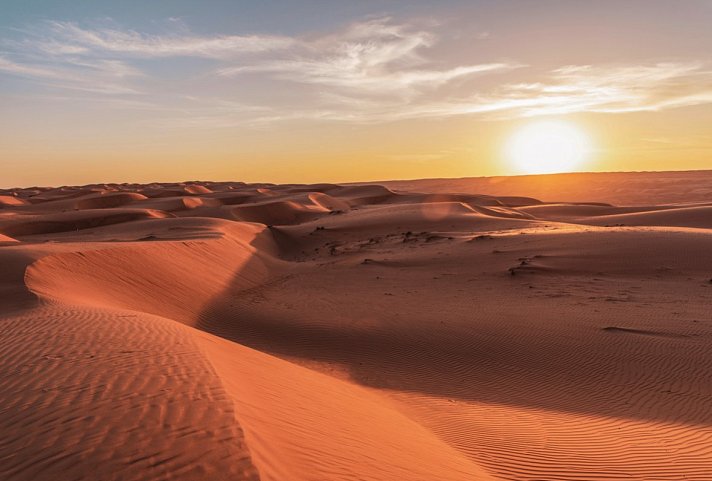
x=216, y=330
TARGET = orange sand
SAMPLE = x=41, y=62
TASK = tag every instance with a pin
x=468, y=329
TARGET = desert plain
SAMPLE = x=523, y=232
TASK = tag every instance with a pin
x=540, y=328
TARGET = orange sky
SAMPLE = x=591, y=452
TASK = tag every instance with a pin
x=173, y=93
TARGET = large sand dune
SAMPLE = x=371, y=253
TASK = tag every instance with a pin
x=421, y=330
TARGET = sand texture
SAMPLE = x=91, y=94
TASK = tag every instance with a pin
x=552, y=328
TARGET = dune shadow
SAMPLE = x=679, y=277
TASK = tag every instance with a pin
x=598, y=373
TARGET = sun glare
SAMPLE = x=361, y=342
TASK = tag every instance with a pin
x=547, y=146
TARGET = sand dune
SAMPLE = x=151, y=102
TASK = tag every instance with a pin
x=9, y=200
x=29, y=225
x=694, y=216
x=620, y=188
x=222, y=331
x=4, y=238
x=278, y=212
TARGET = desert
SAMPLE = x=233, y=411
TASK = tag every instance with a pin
x=323, y=240
x=520, y=328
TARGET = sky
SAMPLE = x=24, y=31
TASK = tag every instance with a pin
x=337, y=91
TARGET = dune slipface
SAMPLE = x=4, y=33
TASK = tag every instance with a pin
x=419, y=330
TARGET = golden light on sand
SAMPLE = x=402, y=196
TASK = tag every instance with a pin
x=547, y=146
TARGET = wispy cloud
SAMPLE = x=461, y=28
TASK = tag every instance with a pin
x=103, y=61
x=371, y=57
x=619, y=89
x=575, y=89
x=566, y=90
x=99, y=76
x=68, y=38
x=8, y=66
x=377, y=70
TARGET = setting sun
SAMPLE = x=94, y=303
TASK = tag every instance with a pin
x=547, y=146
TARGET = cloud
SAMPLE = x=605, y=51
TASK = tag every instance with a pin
x=334, y=73
x=629, y=88
x=565, y=90
x=105, y=61
x=98, y=76
x=70, y=38
x=377, y=70
x=369, y=57
x=11, y=67
x=365, y=71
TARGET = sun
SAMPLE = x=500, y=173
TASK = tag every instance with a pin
x=548, y=146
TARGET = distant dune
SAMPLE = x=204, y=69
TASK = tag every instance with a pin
x=527, y=328
x=622, y=188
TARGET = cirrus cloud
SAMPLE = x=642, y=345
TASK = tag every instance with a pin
x=377, y=70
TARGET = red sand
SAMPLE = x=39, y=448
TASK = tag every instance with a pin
x=420, y=330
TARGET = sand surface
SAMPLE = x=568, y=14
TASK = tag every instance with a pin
x=552, y=328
